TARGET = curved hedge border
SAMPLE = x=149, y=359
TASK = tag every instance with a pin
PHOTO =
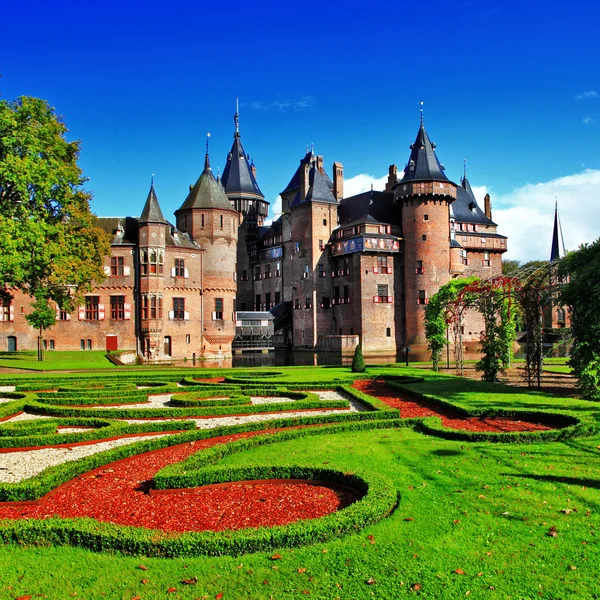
x=141, y=413
x=39, y=485
x=379, y=500
x=565, y=424
x=104, y=429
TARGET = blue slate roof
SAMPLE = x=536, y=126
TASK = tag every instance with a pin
x=423, y=164
x=465, y=207
x=238, y=178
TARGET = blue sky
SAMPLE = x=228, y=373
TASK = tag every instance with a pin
x=514, y=87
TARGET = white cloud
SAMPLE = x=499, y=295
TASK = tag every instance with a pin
x=587, y=120
x=587, y=95
x=281, y=105
x=526, y=215
x=362, y=183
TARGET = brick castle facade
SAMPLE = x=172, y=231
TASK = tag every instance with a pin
x=334, y=271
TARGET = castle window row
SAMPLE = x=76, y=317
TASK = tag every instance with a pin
x=7, y=311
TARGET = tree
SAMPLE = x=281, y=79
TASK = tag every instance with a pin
x=50, y=247
x=358, y=362
x=580, y=291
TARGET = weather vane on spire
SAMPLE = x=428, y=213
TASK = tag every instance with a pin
x=152, y=180
x=421, y=103
x=236, y=117
x=207, y=159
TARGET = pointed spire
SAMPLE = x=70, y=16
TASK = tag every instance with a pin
x=423, y=164
x=151, y=212
x=555, y=253
x=207, y=157
x=236, y=118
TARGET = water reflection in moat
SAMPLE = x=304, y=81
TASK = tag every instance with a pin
x=280, y=358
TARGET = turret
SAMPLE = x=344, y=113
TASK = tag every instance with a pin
x=424, y=195
x=152, y=227
x=212, y=222
x=239, y=180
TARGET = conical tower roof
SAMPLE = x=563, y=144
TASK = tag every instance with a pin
x=152, y=212
x=207, y=192
x=238, y=177
x=423, y=164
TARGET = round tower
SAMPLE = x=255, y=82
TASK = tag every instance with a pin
x=424, y=194
x=212, y=222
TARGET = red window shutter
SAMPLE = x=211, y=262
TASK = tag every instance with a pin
x=101, y=313
x=11, y=312
x=376, y=299
x=81, y=312
x=127, y=309
x=390, y=299
x=375, y=269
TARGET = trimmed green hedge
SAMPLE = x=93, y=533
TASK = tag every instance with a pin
x=379, y=500
x=45, y=434
x=141, y=413
x=37, y=486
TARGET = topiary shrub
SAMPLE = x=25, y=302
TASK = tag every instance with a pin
x=358, y=362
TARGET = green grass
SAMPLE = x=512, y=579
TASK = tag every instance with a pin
x=483, y=509
x=56, y=360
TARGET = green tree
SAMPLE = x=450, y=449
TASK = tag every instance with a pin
x=50, y=247
x=581, y=293
x=358, y=362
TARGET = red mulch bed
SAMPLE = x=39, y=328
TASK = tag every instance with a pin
x=410, y=406
x=118, y=493
x=210, y=379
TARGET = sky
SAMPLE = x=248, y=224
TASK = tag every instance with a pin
x=512, y=87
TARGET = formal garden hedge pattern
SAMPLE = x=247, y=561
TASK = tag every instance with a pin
x=102, y=406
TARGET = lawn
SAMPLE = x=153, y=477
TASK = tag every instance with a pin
x=474, y=519
x=56, y=360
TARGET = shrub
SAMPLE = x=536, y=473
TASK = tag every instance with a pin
x=358, y=362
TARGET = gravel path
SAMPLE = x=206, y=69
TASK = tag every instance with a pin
x=156, y=401
x=16, y=466
x=3, y=400
x=25, y=417
x=7, y=388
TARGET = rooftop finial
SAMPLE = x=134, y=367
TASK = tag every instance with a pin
x=465, y=169
x=206, y=158
x=312, y=148
x=236, y=117
x=421, y=112
x=152, y=180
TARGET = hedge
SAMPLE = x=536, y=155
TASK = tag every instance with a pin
x=379, y=500
x=35, y=487
x=103, y=429
x=141, y=413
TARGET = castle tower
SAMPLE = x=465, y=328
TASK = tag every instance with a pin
x=425, y=195
x=152, y=227
x=310, y=215
x=212, y=222
x=240, y=186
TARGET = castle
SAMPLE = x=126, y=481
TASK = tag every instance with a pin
x=330, y=271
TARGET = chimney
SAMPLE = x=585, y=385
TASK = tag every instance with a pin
x=320, y=165
x=392, y=178
x=304, y=181
x=487, y=204
x=338, y=180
